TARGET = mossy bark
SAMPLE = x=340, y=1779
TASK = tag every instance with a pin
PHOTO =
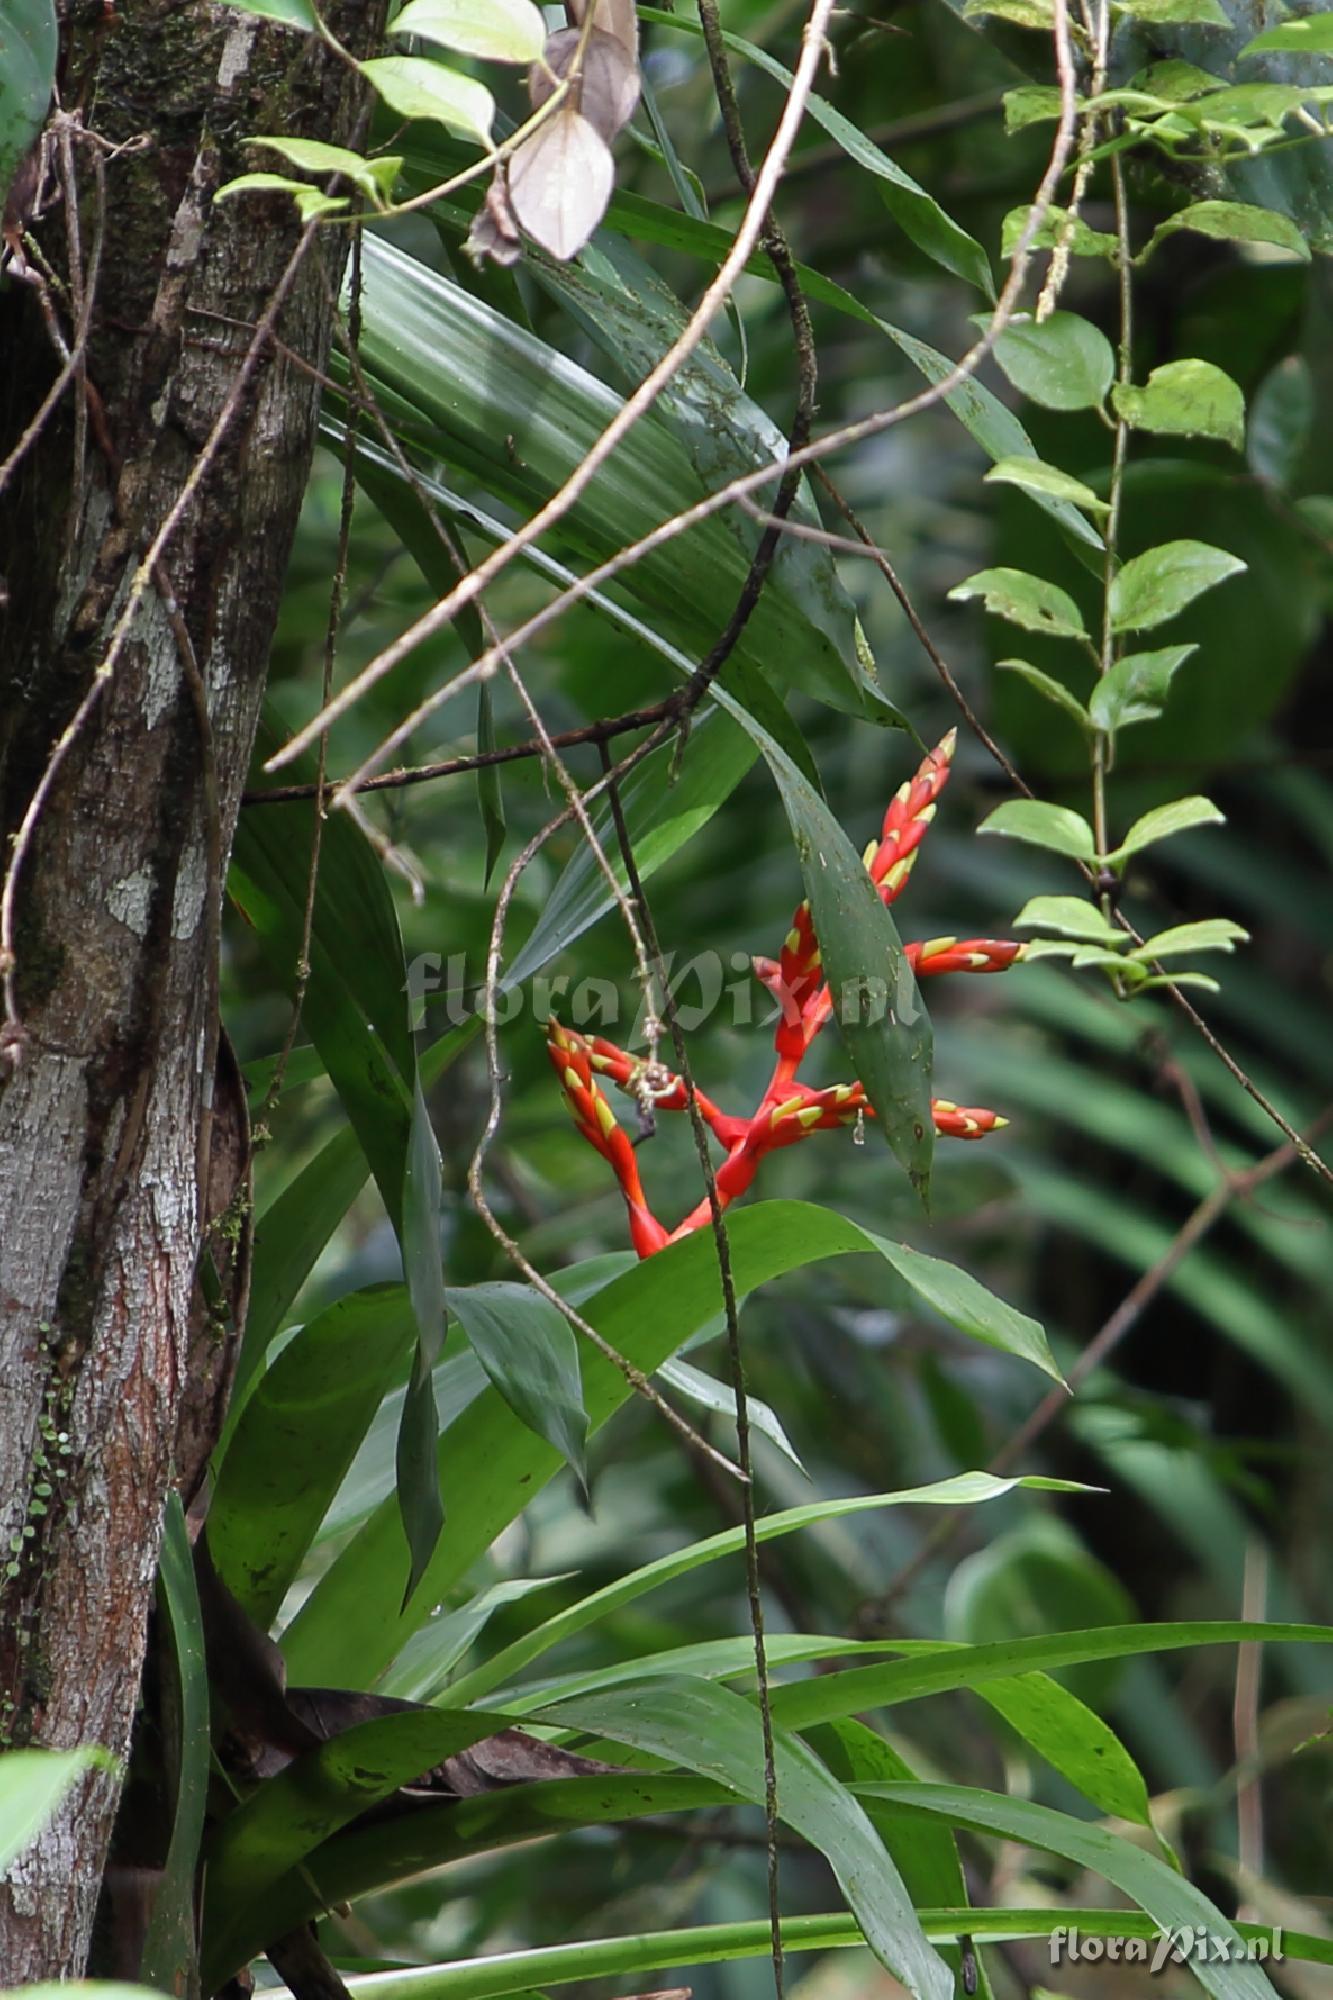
x=104, y=1092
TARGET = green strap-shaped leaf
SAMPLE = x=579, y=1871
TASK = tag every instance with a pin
x=169, y=1951
x=491, y=1465
x=419, y=1500
x=296, y=1437
x=530, y=1352
x=504, y=406
x=1173, y=1903
x=319, y=1792
x=355, y=1007
x=715, y=1733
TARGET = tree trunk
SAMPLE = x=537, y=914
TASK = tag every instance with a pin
x=108, y=1390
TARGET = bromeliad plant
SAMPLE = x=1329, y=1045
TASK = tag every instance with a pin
x=789, y=1110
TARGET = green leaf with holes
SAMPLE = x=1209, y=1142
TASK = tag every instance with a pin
x=1232, y=222
x=1024, y=600
x=1184, y=399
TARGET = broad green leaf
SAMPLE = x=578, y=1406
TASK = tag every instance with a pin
x=531, y=1354
x=1054, y=228
x=1174, y=1903
x=661, y=816
x=496, y=30
x=29, y=43
x=701, y=1389
x=1135, y=688
x=169, y=1949
x=633, y=317
x=415, y=88
x=622, y=1957
x=310, y=201
x=1184, y=399
x=1051, y=689
x=1021, y=13
x=1030, y=104
x=315, y=1795
x=925, y=1857
x=855, y=1689
x=876, y=1005
x=1168, y=979
x=355, y=1007
x=294, y=1228
x=1177, y=817
x=985, y=418
x=958, y=1298
x=1309, y=34
x=290, y=1233
x=715, y=1733
x=1157, y=585
x=313, y=156
x=1233, y=222
x=32, y=1785
x=418, y=1435
x=421, y=1671
x=1069, y=915
x=1186, y=13
x=1024, y=600
x=1073, y=1740
x=1063, y=363
x=918, y=214
x=296, y=1437
x=292, y=13
x=965, y=1489
x=1252, y=104
x=1036, y=477
x=1042, y=825
x=491, y=1465
x=1205, y=934
x=1282, y=414
x=507, y=409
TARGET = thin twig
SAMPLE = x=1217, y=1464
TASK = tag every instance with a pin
x=318, y=791
x=637, y=1380
x=714, y=297
x=867, y=545
x=736, y=1365
x=545, y=744
x=689, y=517
x=145, y=575
x=481, y=760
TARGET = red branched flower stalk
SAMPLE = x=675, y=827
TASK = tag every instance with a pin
x=789, y=1110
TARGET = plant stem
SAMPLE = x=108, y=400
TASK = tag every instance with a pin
x=1102, y=748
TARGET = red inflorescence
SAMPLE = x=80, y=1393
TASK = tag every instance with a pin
x=788, y=1111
